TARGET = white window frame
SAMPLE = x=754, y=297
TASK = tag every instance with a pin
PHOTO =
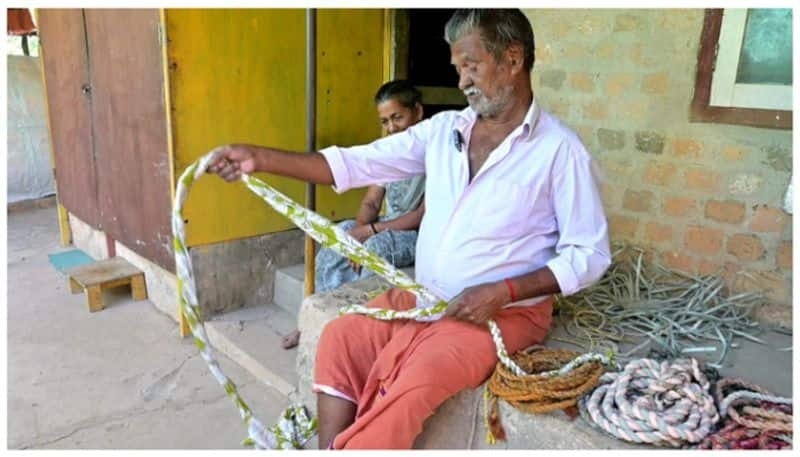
x=725, y=91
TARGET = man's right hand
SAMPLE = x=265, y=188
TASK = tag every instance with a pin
x=230, y=161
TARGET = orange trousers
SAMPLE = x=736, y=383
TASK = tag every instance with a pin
x=398, y=372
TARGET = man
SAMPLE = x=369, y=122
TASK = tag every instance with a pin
x=516, y=218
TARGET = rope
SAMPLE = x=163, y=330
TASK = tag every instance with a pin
x=764, y=422
x=664, y=404
x=294, y=428
x=557, y=379
x=643, y=303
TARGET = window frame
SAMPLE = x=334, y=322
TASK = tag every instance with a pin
x=702, y=110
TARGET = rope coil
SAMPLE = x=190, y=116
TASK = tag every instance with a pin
x=664, y=404
x=754, y=418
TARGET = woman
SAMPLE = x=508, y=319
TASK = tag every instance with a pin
x=393, y=236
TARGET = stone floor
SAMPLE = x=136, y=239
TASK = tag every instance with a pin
x=116, y=379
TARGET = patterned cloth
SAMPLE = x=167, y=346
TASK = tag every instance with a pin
x=333, y=270
x=396, y=246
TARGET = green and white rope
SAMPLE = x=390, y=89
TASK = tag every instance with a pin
x=294, y=427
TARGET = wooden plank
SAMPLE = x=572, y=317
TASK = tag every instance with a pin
x=94, y=298
x=104, y=271
x=138, y=288
x=128, y=113
x=66, y=75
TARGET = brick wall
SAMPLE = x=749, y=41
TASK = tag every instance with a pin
x=706, y=197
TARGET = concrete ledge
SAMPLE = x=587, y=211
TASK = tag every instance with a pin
x=458, y=423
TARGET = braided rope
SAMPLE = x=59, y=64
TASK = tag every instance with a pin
x=294, y=428
x=558, y=377
x=763, y=422
x=665, y=404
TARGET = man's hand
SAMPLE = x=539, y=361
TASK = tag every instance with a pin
x=361, y=233
x=230, y=161
x=478, y=304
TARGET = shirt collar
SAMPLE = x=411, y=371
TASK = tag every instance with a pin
x=466, y=118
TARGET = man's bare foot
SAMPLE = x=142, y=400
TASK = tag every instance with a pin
x=291, y=339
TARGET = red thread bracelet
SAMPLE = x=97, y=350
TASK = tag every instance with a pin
x=511, y=290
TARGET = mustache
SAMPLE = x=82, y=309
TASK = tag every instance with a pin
x=472, y=91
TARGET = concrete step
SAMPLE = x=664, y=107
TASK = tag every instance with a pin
x=289, y=288
x=252, y=338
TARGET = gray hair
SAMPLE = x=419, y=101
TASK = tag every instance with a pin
x=499, y=29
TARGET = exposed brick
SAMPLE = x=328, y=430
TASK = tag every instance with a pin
x=576, y=52
x=651, y=142
x=606, y=50
x=733, y=153
x=627, y=22
x=617, y=84
x=678, y=206
x=643, y=55
x=619, y=168
x=701, y=179
x=559, y=108
x=746, y=247
x=767, y=219
x=612, y=195
x=592, y=25
x=596, y=110
x=678, y=261
x=584, y=133
x=687, y=149
x=639, y=201
x=553, y=79
x=582, y=82
x=785, y=255
x=543, y=54
x=622, y=226
x=660, y=174
x=611, y=140
x=707, y=267
x=772, y=284
x=657, y=233
x=703, y=240
x=729, y=211
x=656, y=83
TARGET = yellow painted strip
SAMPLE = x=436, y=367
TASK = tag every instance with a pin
x=63, y=216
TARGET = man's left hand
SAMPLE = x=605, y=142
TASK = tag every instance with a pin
x=478, y=304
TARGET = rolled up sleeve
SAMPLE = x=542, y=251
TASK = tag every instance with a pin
x=582, y=250
x=392, y=158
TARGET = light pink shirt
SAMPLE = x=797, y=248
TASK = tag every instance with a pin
x=533, y=203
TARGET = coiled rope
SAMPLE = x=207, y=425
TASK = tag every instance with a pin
x=664, y=404
x=558, y=377
x=294, y=427
x=754, y=418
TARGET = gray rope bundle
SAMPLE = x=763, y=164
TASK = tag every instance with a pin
x=661, y=403
x=675, y=312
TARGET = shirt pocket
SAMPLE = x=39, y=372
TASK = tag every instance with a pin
x=504, y=210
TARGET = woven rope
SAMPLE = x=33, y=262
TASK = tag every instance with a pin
x=539, y=393
x=294, y=427
x=664, y=404
x=754, y=418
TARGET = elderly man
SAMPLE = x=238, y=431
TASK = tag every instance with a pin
x=513, y=216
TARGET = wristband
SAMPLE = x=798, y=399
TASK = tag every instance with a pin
x=374, y=230
x=511, y=290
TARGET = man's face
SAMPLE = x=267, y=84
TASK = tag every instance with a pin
x=485, y=82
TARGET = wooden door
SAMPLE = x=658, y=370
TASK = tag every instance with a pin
x=130, y=135
x=66, y=73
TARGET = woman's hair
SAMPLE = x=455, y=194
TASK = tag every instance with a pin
x=401, y=90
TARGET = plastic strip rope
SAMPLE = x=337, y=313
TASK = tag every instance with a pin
x=294, y=428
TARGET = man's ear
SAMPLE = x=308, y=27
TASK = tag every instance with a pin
x=515, y=57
